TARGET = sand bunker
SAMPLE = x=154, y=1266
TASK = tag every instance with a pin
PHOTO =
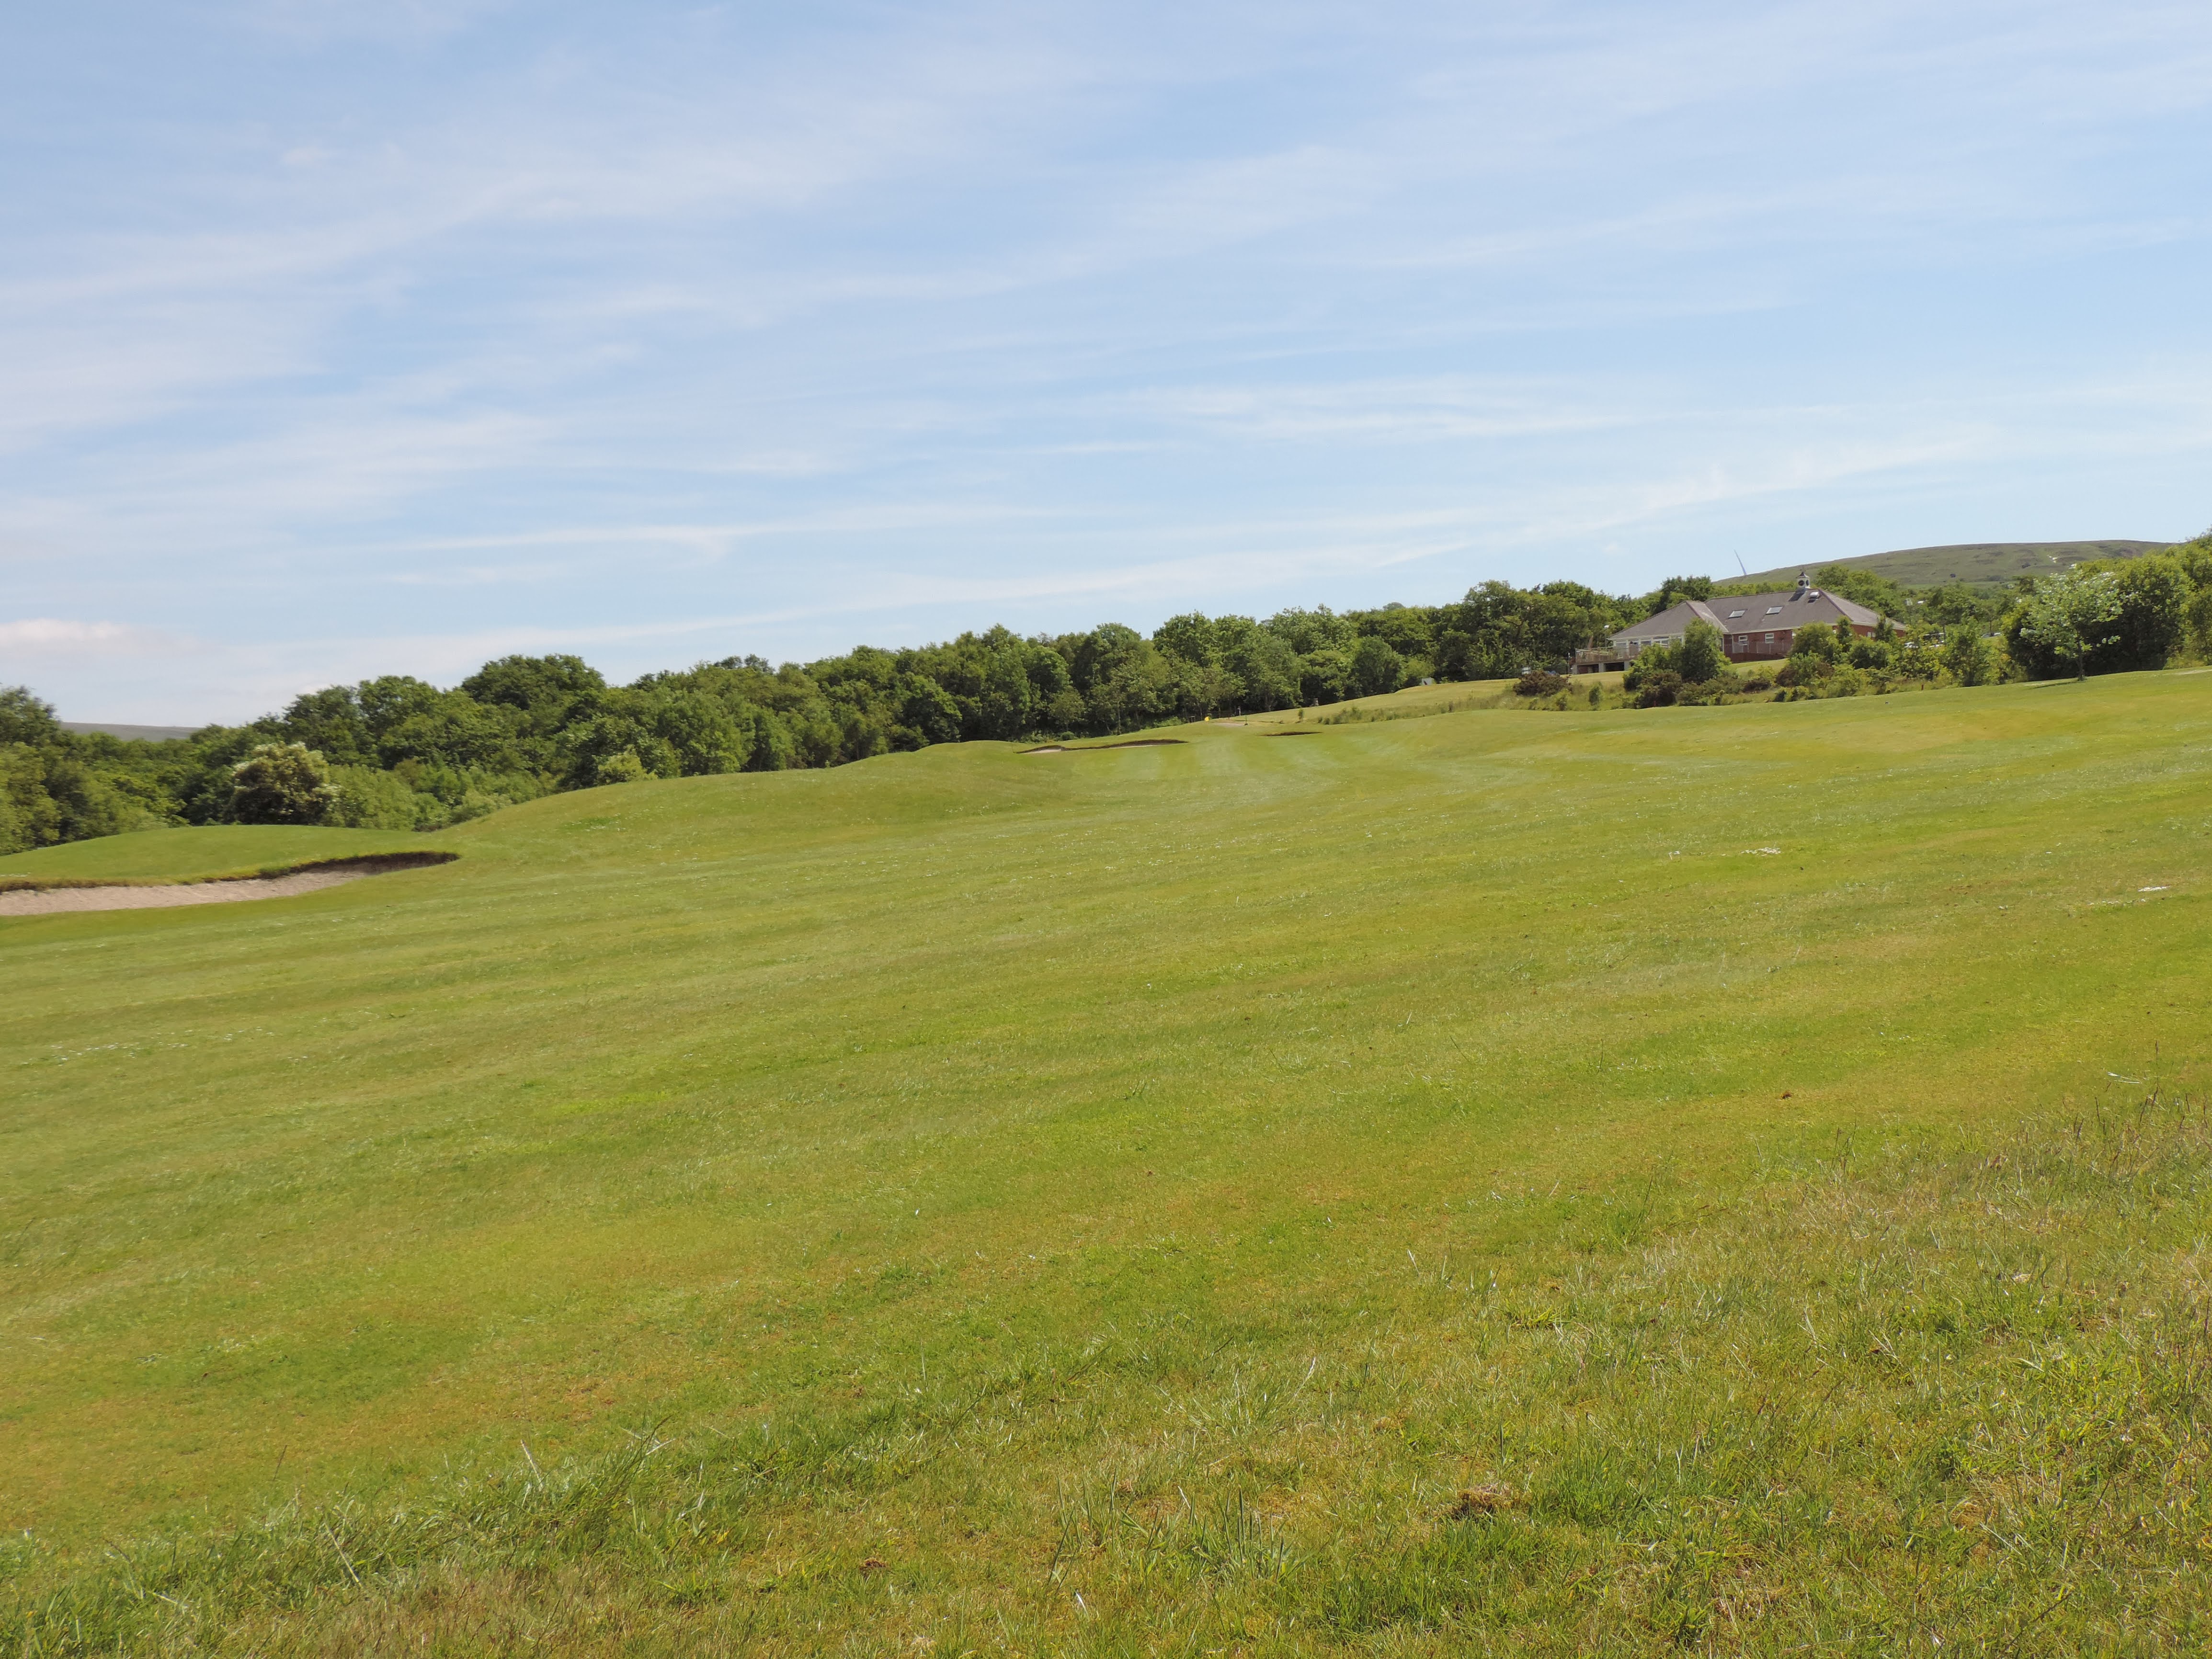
x=1086, y=748
x=51, y=901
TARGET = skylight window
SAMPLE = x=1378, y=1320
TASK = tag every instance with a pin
x=1733, y=615
x=1773, y=610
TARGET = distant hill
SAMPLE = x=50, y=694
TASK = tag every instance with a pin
x=149, y=734
x=1979, y=564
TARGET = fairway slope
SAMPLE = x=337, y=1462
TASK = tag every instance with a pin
x=1561, y=1182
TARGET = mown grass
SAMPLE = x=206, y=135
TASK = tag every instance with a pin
x=1932, y=1393
x=1428, y=1186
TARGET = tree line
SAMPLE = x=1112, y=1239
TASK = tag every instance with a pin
x=397, y=752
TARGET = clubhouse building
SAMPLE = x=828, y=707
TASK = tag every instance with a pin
x=1754, y=628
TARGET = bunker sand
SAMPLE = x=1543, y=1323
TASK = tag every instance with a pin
x=53, y=900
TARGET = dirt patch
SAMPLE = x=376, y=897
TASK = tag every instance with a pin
x=74, y=895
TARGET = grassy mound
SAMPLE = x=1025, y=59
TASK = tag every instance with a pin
x=215, y=853
x=1615, y=1181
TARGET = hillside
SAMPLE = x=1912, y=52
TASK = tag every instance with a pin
x=1553, y=1182
x=1978, y=564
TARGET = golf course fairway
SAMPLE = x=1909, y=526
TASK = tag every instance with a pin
x=1714, y=1179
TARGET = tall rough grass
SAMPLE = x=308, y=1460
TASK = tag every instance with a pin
x=1931, y=1395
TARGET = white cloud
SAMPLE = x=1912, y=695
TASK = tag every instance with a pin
x=444, y=324
x=59, y=637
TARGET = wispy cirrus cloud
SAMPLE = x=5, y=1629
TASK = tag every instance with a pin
x=470, y=323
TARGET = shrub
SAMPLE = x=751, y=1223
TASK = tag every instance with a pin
x=281, y=783
x=1967, y=657
x=1814, y=642
x=28, y=816
x=1659, y=689
x=1539, y=682
x=1655, y=659
x=1759, y=682
x=370, y=799
x=1701, y=657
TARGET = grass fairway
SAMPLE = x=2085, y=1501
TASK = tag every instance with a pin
x=1511, y=1182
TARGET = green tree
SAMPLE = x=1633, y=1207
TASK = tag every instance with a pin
x=1002, y=708
x=453, y=729
x=1454, y=654
x=1375, y=668
x=28, y=815
x=1968, y=658
x=1675, y=589
x=1189, y=637
x=928, y=713
x=1876, y=653
x=24, y=718
x=1652, y=660
x=1701, y=656
x=1865, y=587
x=370, y=799
x=390, y=698
x=2153, y=620
x=331, y=723
x=703, y=733
x=1957, y=606
x=1308, y=631
x=545, y=688
x=281, y=783
x=90, y=799
x=2072, y=614
x=1816, y=641
x=592, y=747
x=1406, y=629
x=1324, y=674
x=1265, y=668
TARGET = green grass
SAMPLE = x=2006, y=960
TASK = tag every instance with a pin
x=1121, y=1202
x=204, y=854
x=1978, y=564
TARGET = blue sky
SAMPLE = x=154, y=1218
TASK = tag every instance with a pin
x=340, y=339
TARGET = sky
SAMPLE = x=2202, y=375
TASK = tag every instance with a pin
x=339, y=339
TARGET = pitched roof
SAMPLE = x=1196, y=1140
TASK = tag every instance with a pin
x=1749, y=613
